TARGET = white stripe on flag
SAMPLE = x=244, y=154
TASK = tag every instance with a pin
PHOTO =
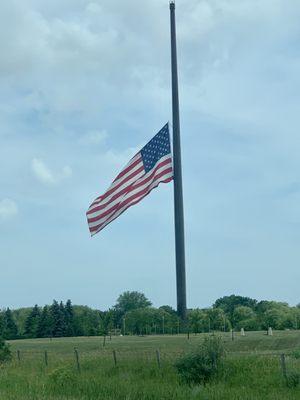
x=132, y=182
x=134, y=201
x=133, y=190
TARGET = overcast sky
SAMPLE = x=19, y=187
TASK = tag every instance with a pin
x=85, y=84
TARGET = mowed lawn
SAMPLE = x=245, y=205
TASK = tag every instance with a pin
x=251, y=369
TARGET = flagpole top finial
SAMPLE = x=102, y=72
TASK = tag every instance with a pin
x=172, y=3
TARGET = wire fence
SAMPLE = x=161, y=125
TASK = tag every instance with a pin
x=115, y=354
x=289, y=362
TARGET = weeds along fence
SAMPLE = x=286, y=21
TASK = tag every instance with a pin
x=113, y=356
x=79, y=359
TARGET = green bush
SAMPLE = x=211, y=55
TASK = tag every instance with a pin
x=296, y=354
x=5, y=353
x=62, y=377
x=293, y=380
x=201, y=364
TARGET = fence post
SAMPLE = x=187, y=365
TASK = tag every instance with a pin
x=158, y=358
x=232, y=334
x=115, y=357
x=104, y=340
x=46, y=358
x=283, y=366
x=77, y=359
x=19, y=355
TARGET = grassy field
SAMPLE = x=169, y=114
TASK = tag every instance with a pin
x=251, y=369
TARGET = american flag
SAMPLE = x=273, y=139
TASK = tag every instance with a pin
x=144, y=172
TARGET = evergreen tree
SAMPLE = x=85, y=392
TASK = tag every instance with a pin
x=1, y=324
x=10, y=329
x=32, y=322
x=62, y=320
x=54, y=312
x=46, y=324
x=69, y=319
x=57, y=312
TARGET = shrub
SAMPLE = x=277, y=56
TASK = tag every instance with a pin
x=201, y=364
x=293, y=380
x=5, y=353
x=62, y=377
x=296, y=354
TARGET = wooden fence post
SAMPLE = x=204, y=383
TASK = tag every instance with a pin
x=158, y=358
x=232, y=334
x=104, y=340
x=46, y=358
x=77, y=359
x=283, y=366
x=19, y=355
x=115, y=357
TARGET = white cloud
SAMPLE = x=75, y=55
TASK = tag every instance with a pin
x=71, y=67
x=46, y=176
x=8, y=209
x=93, y=138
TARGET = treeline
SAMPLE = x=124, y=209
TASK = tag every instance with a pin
x=236, y=312
x=56, y=320
x=134, y=314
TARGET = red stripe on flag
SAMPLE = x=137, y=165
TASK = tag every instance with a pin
x=128, y=177
x=144, y=172
x=115, y=208
x=127, y=169
x=95, y=230
x=141, y=181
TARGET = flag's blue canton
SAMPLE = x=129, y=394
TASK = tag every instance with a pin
x=157, y=148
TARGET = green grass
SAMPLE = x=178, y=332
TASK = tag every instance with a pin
x=251, y=369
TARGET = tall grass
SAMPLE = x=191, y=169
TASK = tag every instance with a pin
x=137, y=375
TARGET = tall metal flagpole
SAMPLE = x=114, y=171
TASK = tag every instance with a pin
x=178, y=194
